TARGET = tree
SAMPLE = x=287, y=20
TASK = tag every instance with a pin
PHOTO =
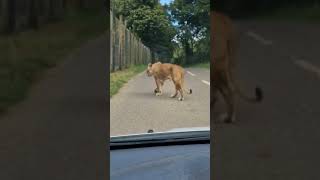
x=192, y=17
x=149, y=21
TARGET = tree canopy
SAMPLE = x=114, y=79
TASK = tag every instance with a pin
x=193, y=24
x=149, y=20
x=178, y=30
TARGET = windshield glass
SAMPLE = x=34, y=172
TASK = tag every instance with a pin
x=160, y=73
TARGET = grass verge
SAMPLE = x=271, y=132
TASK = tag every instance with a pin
x=119, y=78
x=26, y=55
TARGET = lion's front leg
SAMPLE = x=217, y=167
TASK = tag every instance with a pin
x=159, y=85
x=156, y=90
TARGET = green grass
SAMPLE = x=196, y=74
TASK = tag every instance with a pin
x=205, y=65
x=119, y=78
x=26, y=55
x=304, y=14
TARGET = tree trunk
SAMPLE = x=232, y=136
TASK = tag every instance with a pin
x=188, y=52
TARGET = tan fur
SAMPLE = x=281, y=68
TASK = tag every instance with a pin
x=166, y=71
x=223, y=46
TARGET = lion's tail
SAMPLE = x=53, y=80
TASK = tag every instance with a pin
x=188, y=91
x=257, y=98
x=258, y=91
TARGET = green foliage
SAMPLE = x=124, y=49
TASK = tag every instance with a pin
x=124, y=7
x=192, y=17
x=153, y=24
x=149, y=20
x=178, y=56
x=205, y=65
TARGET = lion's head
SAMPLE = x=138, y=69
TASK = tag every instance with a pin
x=150, y=70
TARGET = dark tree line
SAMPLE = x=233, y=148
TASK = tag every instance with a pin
x=148, y=20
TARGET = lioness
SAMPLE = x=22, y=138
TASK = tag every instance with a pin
x=165, y=71
x=223, y=63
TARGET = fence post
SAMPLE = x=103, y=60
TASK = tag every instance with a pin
x=135, y=50
x=139, y=49
x=131, y=49
x=111, y=41
x=126, y=44
x=141, y=54
x=116, y=42
x=119, y=47
x=115, y=57
x=123, y=60
x=144, y=55
x=129, y=43
x=126, y=48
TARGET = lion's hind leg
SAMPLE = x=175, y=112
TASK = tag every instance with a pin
x=179, y=88
x=176, y=90
x=229, y=97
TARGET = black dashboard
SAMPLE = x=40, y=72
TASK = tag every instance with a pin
x=189, y=161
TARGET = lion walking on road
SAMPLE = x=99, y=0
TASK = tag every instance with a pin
x=223, y=46
x=166, y=71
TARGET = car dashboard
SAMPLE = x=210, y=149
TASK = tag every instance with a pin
x=190, y=161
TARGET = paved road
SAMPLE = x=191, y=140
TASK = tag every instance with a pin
x=135, y=109
x=278, y=139
x=59, y=132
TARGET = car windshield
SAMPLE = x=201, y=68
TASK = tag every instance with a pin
x=159, y=67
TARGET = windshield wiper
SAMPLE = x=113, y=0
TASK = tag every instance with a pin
x=160, y=139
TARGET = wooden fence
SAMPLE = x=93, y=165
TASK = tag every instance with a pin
x=126, y=48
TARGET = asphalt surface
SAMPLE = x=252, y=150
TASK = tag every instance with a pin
x=59, y=131
x=136, y=109
x=279, y=138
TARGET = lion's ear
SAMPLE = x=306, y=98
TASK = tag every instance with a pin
x=149, y=65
